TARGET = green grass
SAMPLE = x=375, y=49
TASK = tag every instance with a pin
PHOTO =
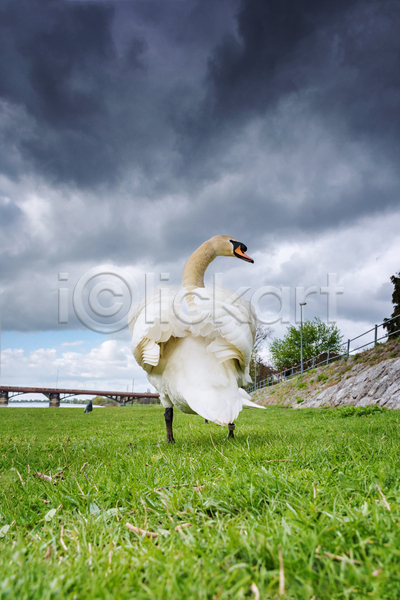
x=302, y=385
x=300, y=481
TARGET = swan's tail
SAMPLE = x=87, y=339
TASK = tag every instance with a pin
x=247, y=403
x=196, y=382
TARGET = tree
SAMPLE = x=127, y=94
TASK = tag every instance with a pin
x=259, y=370
x=393, y=326
x=263, y=332
x=317, y=338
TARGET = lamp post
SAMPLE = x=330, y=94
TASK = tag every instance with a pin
x=301, y=333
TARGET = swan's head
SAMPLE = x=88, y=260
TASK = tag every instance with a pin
x=224, y=245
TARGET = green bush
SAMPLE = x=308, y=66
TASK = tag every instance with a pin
x=359, y=411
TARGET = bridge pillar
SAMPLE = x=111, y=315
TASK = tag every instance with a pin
x=54, y=400
x=3, y=398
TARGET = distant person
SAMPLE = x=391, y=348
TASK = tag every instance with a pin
x=89, y=407
x=287, y=373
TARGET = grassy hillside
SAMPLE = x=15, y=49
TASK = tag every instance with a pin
x=297, y=389
x=302, y=504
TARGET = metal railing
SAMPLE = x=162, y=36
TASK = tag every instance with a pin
x=325, y=357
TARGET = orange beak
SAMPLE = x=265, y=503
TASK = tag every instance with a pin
x=240, y=254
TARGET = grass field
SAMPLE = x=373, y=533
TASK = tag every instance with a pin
x=289, y=509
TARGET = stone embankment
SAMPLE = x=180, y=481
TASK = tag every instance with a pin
x=368, y=378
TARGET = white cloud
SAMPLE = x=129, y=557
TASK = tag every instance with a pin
x=109, y=366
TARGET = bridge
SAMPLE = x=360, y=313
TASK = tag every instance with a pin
x=55, y=395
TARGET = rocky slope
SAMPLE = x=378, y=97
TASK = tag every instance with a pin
x=368, y=378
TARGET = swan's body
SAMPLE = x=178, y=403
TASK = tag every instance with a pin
x=197, y=358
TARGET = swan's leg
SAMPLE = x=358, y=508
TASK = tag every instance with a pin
x=169, y=415
x=231, y=427
x=205, y=421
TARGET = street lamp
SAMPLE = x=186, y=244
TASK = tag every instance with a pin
x=301, y=333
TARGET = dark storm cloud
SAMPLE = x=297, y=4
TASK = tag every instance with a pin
x=103, y=83
x=339, y=60
x=347, y=51
x=59, y=64
x=250, y=73
x=122, y=87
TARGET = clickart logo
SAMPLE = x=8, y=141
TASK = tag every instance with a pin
x=105, y=297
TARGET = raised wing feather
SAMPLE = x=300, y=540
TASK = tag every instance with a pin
x=152, y=322
x=230, y=324
x=216, y=314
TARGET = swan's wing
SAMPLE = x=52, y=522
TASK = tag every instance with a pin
x=229, y=322
x=152, y=322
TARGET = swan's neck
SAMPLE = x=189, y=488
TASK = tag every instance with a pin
x=193, y=273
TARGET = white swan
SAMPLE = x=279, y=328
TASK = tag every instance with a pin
x=197, y=359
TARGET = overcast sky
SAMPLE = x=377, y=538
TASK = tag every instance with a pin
x=132, y=131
